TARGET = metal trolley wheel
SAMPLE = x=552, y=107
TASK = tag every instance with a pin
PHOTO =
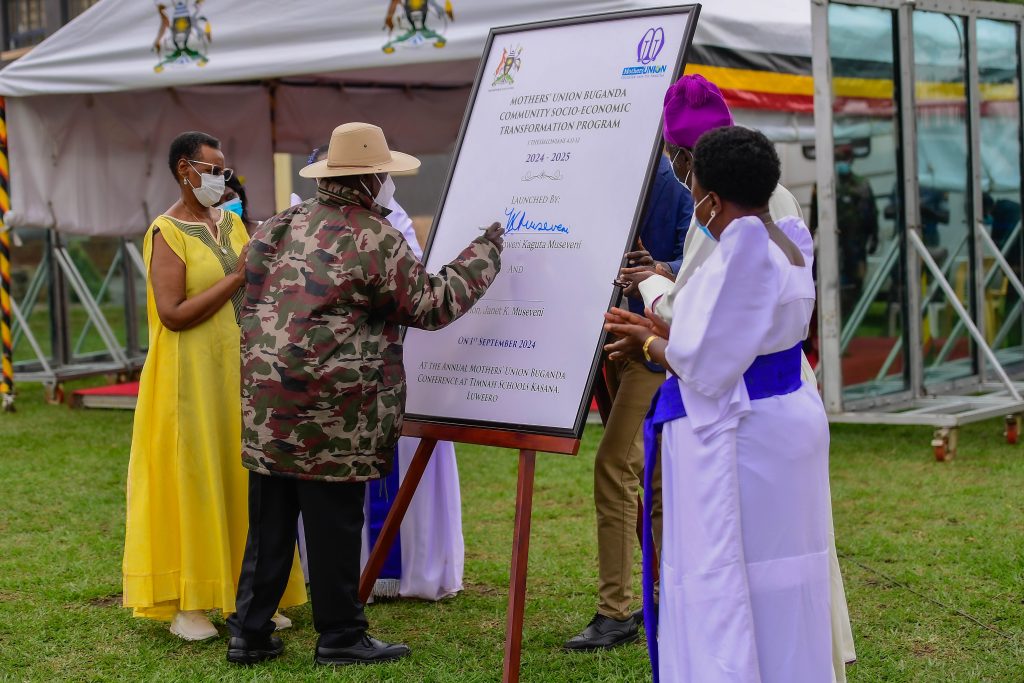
x=944, y=443
x=55, y=393
x=1012, y=431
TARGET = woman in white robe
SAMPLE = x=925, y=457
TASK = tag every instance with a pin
x=432, y=547
x=744, y=591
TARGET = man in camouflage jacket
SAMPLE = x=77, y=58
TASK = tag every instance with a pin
x=329, y=283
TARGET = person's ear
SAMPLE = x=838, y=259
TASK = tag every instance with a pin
x=715, y=201
x=183, y=169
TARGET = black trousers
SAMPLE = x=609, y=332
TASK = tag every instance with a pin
x=332, y=516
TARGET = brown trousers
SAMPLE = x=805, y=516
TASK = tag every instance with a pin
x=618, y=474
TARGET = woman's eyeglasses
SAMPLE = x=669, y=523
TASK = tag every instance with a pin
x=214, y=169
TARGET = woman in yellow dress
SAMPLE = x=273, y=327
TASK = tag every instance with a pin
x=187, y=490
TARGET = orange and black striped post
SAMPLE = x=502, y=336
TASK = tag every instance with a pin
x=6, y=349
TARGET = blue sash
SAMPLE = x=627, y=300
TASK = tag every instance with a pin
x=776, y=374
x=382, y=495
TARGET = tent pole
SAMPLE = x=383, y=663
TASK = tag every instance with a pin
x=282, y=162
x=6, y=345
x=911, y=198
x=976, y=270
x=829, y=309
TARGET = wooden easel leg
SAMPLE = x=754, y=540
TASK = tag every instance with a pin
x=393, y=522
x=520, y=558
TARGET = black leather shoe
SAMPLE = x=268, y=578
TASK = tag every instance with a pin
x=638, y=617
x=252, y=651
x=367, y=651
x=603, y=633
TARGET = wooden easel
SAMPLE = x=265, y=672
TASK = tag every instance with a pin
x=528, y=445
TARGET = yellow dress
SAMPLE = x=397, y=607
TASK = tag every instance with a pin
x=187, y=490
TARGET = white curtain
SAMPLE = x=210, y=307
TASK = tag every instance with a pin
x=97, y=164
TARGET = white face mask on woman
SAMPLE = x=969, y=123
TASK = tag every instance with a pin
x=210, y=190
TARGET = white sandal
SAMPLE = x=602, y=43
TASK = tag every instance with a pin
x=193, y=625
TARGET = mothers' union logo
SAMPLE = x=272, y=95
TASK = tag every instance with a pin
x=647, y=51
x=649, y=47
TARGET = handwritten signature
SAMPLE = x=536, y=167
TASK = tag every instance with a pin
x=541, y=175
x=518, y=222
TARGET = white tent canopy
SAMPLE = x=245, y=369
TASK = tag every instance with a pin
x=92, y=109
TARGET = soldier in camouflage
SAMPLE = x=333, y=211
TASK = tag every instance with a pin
x=329, y=282
x=857, y=219
x=856, y=223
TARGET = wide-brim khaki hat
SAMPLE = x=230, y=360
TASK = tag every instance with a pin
x=358, y=149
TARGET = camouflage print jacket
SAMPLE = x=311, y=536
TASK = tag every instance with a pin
x=328, y=284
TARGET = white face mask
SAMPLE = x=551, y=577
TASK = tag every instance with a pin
x=210, y=190
x=385, y=194
x=685, y=182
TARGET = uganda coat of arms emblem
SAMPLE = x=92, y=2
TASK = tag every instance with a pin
x=511, y=62
x=184, y=35
x=413, y=23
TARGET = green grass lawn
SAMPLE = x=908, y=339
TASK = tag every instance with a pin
x=926, y=548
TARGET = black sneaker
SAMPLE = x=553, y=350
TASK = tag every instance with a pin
x=252, y=651
x=603, y=633
x=366, y=651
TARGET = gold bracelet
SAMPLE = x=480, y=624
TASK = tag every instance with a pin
x=647, y=348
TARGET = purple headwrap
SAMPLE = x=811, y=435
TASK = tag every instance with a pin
x=693, y=106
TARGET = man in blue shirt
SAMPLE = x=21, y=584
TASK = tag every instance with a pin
x=663, y=230
x=618, y=467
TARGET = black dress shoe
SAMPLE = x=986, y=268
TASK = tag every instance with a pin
x=251, y=651
x=604, y=632
x=366, y=651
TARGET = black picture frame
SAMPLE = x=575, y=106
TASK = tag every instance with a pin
x=576, y=432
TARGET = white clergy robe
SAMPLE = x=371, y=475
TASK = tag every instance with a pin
x=744, y=594
x=659, y=295
x=433, y=551
x=432, y=546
